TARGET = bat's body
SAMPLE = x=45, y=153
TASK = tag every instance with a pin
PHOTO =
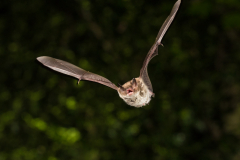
x=135, y=93
x=138, y=91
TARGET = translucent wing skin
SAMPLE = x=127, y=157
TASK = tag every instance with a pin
x=154, y=49
x=74, y=71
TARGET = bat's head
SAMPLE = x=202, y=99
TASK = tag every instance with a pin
x=129, y=89
x=134, y=93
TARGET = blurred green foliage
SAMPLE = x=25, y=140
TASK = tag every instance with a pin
x=45, y=115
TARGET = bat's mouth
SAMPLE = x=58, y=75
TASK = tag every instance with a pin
x=129, y=91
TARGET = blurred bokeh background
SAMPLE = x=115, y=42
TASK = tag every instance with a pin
x=45, y=115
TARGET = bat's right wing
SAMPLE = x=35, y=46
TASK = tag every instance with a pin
x=154, y=49
x=72, y=70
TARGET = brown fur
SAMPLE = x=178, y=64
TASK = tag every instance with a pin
x=140, y=96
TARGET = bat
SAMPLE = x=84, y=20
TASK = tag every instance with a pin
x=136, y=92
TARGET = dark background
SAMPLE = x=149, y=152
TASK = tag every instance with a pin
x=195, y=114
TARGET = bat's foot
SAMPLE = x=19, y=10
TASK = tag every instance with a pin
x=144, y=104
x=153, y=94
x=79, y=81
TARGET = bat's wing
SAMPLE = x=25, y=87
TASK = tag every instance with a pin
x=154, y=49
x=72, y=70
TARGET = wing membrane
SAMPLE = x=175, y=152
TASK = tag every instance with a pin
x=154, y=49
x=74, y=71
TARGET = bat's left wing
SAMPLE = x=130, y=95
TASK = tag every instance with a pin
x=154, y=49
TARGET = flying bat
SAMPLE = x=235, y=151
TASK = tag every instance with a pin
x=136, y=92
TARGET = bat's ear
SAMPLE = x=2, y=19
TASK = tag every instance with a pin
x=121, y=87
x=134, y=83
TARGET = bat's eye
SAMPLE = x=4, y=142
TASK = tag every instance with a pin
x=129, y=91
